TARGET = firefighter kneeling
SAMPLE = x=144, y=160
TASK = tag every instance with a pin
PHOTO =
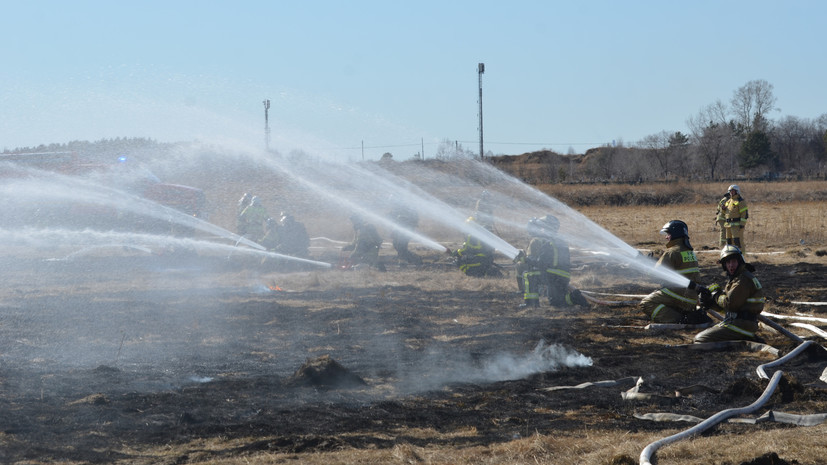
x=676, y=304
x=546, y=263
x=742, y=300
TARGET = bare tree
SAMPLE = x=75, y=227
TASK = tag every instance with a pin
x=716, y=141
x=789, y=138
x=751, y=103
x=657, y=147
x=449, y=149
x=711, y=114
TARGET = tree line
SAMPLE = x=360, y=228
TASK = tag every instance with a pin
x=725, y=141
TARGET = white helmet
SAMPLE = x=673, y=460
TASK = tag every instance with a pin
x=735, y=188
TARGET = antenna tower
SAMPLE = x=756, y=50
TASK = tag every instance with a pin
x=266, y=124
x=480, y=70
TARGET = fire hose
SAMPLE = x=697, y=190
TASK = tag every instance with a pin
x=763, y=374
x=649, y=451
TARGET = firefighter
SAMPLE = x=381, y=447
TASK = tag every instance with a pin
x=292, y=238
x=252, y=220
x=676, y=304
x=243, y=203
x=270, y=240
x=475, y=257
x=366, y=244
x=720, y=220
x=546, y=262
x=736, y=215
x=741, y=300
x=407, y=219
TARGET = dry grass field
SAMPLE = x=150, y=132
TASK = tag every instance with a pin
x=174, y=359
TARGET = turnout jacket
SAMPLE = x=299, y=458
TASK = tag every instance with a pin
x=474, y=257
x=680, y=258
x=720, y=214
x=736, y=212
x=742, y=299
x=550, y=255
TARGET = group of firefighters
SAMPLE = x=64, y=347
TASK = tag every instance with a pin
x=741, y=299
x=543, y=268
x=284, y=235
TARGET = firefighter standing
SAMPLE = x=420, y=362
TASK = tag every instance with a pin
x=720, y=220
x=546, y=262
x=736, y=215
x=742, y=300
x=365, y=245
x=676, y=304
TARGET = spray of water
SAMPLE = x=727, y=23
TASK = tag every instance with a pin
x=444, y=199
x=59, y=195
x=517, y=202
x=146, y=243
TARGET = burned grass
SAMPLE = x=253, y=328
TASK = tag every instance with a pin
x=240, y=373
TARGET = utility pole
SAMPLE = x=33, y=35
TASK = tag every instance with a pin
x=480, y=70
x=266, y=124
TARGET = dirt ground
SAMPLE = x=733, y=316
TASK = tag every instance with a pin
x=174, y=357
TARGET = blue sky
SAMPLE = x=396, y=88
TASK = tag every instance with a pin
x=396, y=76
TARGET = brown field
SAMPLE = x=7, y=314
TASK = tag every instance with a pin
x=184, y=359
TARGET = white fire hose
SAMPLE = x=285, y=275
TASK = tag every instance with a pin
x=649, y=451
x=763, y=374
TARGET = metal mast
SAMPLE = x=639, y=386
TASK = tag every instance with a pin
x=480, y=70
x=266, y=125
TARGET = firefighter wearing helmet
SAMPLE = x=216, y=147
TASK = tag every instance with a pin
x=252, y=220
x=293, y=238
x=736, y=215
x=546, y=263
x=475, y=257
x=741, y=300
x=670, y=303
x=243, y=203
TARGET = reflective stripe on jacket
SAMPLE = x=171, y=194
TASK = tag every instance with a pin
x=736, y=212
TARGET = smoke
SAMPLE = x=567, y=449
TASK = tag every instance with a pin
x=544, y=358
x=442, y=368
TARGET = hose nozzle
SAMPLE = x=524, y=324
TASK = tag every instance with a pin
x=699, y=288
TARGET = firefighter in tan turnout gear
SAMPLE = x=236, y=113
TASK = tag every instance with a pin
x=676, y=304
x=736, y=215
x=742, y=300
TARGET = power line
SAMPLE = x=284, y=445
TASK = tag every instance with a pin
x=431, y=144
